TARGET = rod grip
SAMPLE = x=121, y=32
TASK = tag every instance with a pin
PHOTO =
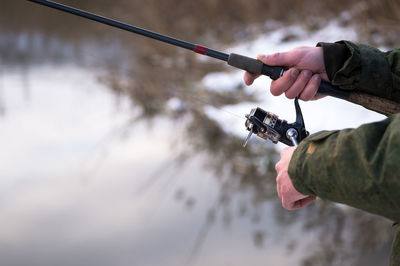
x=326, y=88
x=374, y=103
x=371, y=102
x=254, y=66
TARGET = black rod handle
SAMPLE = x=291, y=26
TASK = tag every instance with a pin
x=255, y=66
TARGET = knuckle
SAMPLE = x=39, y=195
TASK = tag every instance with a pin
x=311, y=89
x=290, y=94
x=306, y=95
x=304, y=98
x=275, y=56
x=278, y=178
x=294, y=73
x=315, y=81
x=284, y=189
x=277, y=166
x=306, y=75
x=272, y=58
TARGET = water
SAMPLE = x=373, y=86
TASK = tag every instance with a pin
x=84, y=185
x=108, y=157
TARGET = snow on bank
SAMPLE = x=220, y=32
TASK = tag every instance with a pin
x=325, y=114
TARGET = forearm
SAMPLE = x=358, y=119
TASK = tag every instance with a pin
x=357, y=167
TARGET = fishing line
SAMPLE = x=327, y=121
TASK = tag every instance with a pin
x=193, y=97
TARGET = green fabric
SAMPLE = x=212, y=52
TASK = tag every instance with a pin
x=395, y=254
x=371, y=71
x=358, y=167
x=335, y=54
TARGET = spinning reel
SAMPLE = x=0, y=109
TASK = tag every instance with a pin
x=268, y=126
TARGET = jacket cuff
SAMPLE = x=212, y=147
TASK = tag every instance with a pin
x=298, y=166
x=366, y=70
x=335, y=55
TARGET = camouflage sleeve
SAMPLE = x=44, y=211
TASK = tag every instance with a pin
x=370, y=70
x=357, y=167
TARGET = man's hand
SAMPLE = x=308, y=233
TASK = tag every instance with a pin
x=291, y=198
x=306, y=68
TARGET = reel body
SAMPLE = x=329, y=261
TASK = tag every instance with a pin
x=268, y=126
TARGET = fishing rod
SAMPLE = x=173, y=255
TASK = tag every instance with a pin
x=245, y=63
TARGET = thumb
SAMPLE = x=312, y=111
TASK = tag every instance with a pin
x=277, y=59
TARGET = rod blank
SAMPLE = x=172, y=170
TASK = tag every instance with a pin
x=133, y=29
x=239, y=61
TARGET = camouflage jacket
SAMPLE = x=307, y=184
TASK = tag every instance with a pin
x=357, y=167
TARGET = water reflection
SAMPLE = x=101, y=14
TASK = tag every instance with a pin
x=79, y=188
x=90, y=217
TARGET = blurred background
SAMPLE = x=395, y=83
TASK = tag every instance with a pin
x=120, y=150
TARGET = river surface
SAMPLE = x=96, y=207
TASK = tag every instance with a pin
x=84, y=185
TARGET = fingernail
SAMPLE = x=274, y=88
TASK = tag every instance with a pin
x=317, y=78
x=294, y=73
